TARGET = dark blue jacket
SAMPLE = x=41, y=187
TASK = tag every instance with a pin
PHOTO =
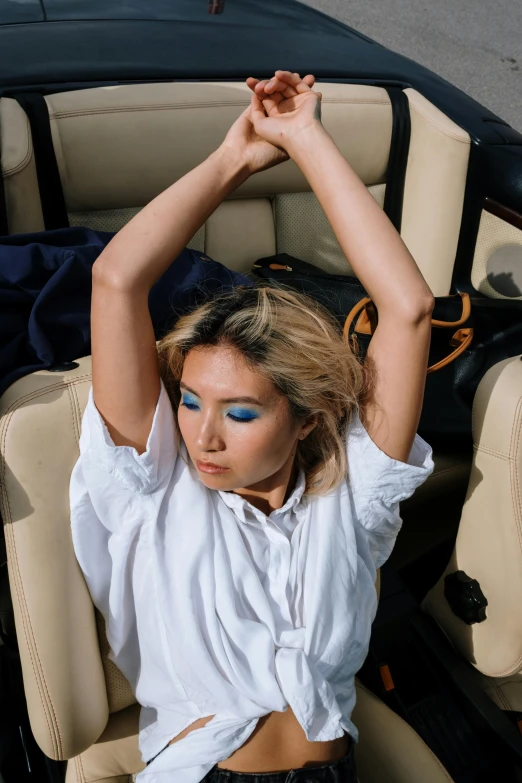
x=45, y=296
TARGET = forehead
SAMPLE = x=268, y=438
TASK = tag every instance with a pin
x=216, y=371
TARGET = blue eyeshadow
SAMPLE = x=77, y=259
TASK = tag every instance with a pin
x=189, y=399
x=243, y=414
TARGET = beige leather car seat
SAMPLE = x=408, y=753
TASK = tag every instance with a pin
x=118, y=147
x=80, y=706
x=489, y=542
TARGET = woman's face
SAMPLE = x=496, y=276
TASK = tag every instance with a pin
x=236, y=425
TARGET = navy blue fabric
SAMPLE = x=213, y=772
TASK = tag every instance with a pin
x=342, y=771
x=45, y=296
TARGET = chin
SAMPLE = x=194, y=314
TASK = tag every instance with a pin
x=225, y=483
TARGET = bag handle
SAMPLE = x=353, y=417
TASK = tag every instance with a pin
x=367, y=323
x=368, y=320
x=461, y=340
x=355, y=311
x=466, y=311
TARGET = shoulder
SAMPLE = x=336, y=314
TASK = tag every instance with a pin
x=141, y=473
x=371, y=472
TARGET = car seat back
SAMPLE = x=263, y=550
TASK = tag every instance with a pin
x=488, y=548
x=64, y=677
x=118, y=147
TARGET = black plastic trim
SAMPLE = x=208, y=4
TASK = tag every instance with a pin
x=397, y=162
x=49, y=182
x=4, y=226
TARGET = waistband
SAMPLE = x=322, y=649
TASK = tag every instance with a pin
x=341, y=771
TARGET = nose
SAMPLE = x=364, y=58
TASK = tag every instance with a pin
x=209, y=437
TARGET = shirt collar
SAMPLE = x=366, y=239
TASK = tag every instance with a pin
x=243, y=509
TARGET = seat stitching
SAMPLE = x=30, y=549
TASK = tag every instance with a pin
x=27, y=157
x=516, y=432
x=494, y=685
x=78, y=412
x=41, y=392
x=439, y=762
x=493, y=452
x=208, y=105
x=79, y=769
x=10, y=537
x=70, y=396
x=55, y=737
x=439, y=127
x=502, y=696
x=442, y=471
x=516, y=499
x=80, y=761
x=21, y=166
x=38, y=670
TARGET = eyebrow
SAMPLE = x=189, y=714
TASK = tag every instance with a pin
x=247, y=400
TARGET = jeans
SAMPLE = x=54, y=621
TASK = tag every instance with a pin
x=342, y=771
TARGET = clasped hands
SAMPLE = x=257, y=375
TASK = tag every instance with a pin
x=281, y=108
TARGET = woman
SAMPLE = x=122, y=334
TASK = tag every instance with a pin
x=238, y=484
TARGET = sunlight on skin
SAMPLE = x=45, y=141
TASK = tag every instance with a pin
x=257, y=449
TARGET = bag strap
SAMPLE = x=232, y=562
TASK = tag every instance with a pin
x=466, y=311
x=350, y=318
x=461, y=340
x=367, y=323
x=398, y=158
x=49, y=182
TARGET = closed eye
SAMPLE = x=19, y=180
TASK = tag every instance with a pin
x=189, y=402
x=242, y=415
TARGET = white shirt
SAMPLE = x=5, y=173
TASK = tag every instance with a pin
x=211, y=607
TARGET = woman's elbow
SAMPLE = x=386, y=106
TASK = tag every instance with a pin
x=423, y=311
x=413, y=311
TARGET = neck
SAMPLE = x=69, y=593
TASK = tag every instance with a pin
x=273, y=492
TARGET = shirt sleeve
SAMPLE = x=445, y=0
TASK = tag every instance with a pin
x=114, y=493
x=141, y=473
x=379, y=483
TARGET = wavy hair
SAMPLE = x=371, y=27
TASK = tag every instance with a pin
x=291, y=340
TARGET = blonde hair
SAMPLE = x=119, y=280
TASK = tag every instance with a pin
x=291, y=340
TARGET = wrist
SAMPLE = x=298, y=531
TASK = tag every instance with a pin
x=233, y=164
x=306, y=141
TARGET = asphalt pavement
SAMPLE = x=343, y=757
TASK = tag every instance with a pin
x=474, y=44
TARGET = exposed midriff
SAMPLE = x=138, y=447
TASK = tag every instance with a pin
x=278, y=743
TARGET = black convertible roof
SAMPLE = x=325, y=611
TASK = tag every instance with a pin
x=60, y=44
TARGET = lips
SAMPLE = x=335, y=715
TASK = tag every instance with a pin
x=209, y=467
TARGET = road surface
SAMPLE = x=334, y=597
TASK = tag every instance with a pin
x=474, y=44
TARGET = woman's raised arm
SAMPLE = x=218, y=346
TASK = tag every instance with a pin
x=125, y=372
x=377, y=254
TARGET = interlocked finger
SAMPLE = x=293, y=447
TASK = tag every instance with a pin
x=281, y=86
x=274, y=85
x=294, y=80
x=270, y=99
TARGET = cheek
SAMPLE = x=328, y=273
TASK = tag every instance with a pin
x=186, y=426
x=263, y=446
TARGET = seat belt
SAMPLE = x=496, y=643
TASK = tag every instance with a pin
x=49, y=183
x=398, y=160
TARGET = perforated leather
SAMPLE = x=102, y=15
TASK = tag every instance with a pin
x=495, y=233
